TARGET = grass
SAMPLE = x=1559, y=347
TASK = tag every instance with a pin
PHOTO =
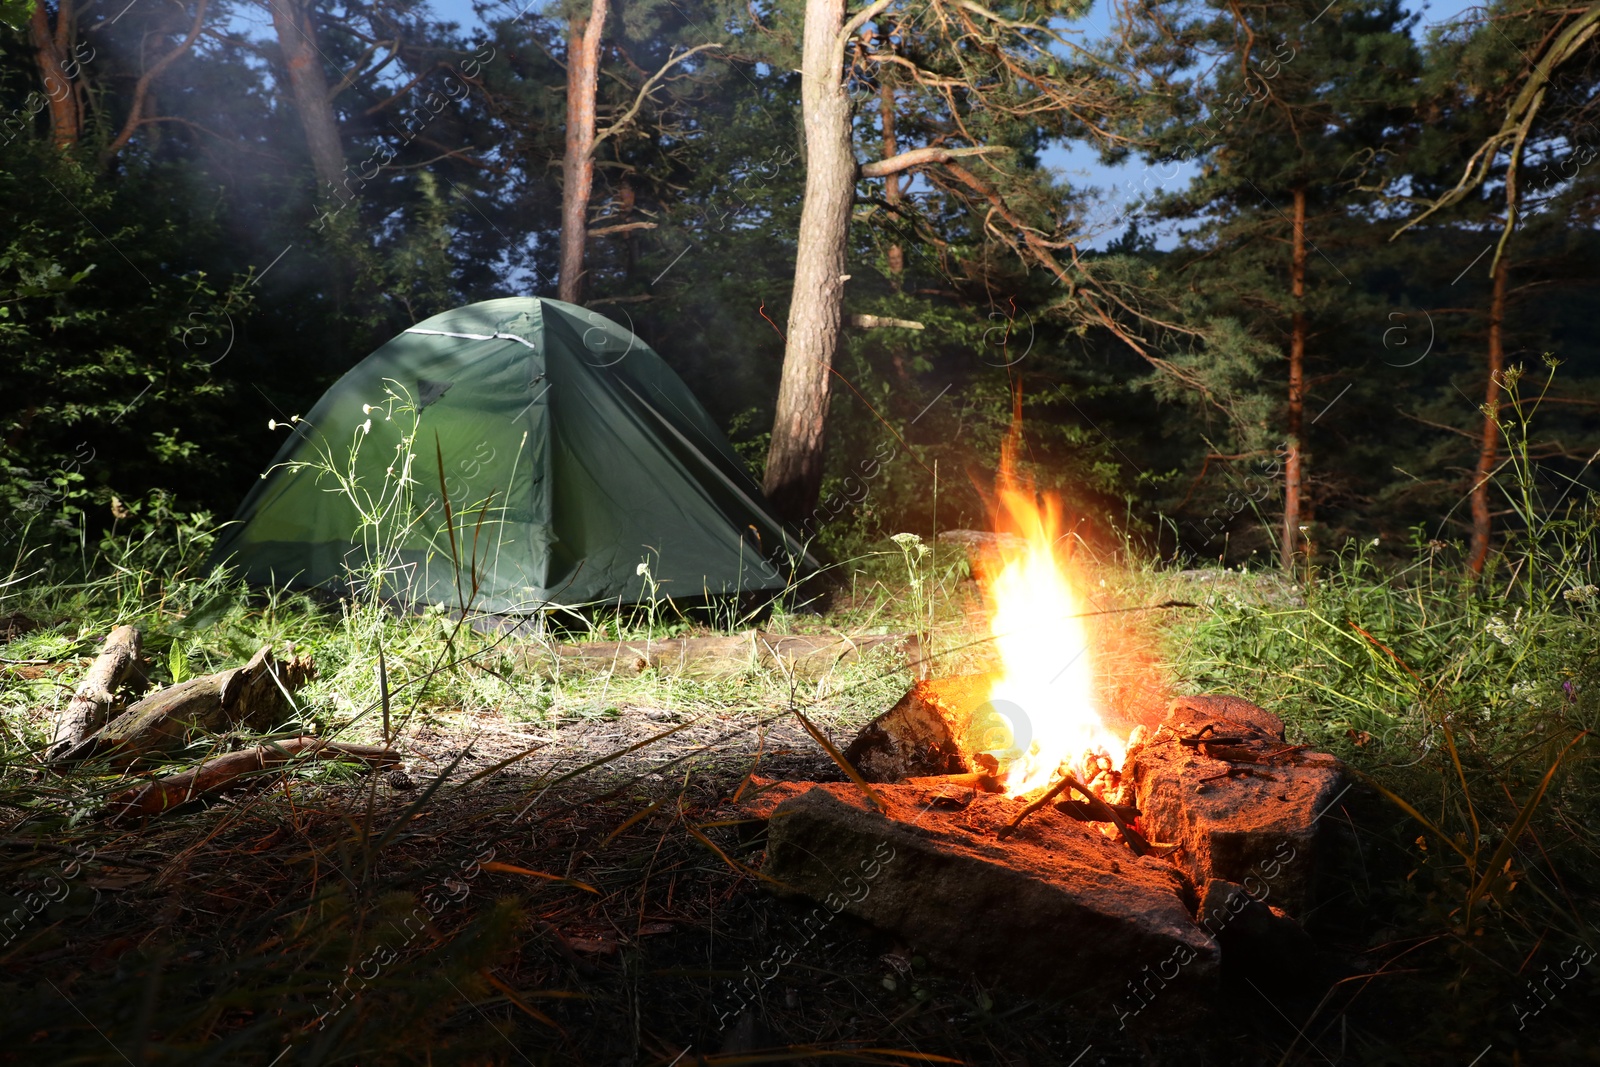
x=541, y=891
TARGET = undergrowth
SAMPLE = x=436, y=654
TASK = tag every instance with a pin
x=331, y=917
x=1467, y=706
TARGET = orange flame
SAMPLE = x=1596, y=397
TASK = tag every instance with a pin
x=1045, y=693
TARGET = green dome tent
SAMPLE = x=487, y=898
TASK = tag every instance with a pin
x=571, y=455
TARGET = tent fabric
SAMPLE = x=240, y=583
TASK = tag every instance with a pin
x=581, y=451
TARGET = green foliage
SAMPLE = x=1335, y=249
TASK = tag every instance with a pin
x=108, y=349
x=1472, y=705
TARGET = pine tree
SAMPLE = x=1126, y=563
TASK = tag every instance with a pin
x=1278, y=132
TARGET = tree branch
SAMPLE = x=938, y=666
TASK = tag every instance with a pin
x=356, y=72
x=141, y=88
x=1519, y=116
x=404, y=89
x=854, y=23
x=871, y=322
x=622, y=228
x=645, y=91
x=921, y=157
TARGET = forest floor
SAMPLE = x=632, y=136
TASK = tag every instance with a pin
x=557, y=873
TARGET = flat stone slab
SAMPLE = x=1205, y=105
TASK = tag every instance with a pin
x=1056, y=910
x=934, y=729
x=1244, y=809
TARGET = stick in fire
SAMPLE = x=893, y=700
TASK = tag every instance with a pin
x=1100, y=810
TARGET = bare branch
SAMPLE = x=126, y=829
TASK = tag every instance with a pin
x=141, y=88
x=404, y=89
x=1519, y=117
x=622, y=228
x=854, y=23
x=645, y=91
x=873, y=322
x=356, y=72
x=921, y=157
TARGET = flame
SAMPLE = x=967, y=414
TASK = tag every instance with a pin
x=1044, y=700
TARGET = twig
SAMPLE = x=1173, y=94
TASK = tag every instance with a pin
x=1050, y=794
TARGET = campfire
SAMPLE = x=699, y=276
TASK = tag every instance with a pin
x=1007, y=796
x=1042, y=720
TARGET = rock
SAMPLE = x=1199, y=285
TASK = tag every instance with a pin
x=1260, y=943
x=934, y=729
x=1056, y=910
x=1227, y=714
x=1257, y=939
x=1250, y=818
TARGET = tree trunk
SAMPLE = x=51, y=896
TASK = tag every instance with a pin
x=1293, y=472
x=577, y=166
x=891, y=189
x=1489, y=445
x=308, y=83
x=794, y=461
x=97, y=694
x=52, y=48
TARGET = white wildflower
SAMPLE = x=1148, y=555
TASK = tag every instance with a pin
x=642, y=569
x=907, y=541
x=1582, y=594
x=366, y=409
x=1500, y=630
x=1375, y=542
x=366, y=427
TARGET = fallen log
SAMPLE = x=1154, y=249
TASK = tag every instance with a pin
x=809, y=655
x=255, y=696
x=153, y=798
x=96, y=695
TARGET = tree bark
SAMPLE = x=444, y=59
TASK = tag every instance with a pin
x=794, y=461
x=92, y=703
x=577, y=165
x=891, y=188
x=1489, y=444
x=1293, y=471
x=51, y=50
x=308, y=83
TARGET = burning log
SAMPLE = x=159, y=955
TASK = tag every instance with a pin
x=96, y=695
x=936, y=729
x=256, y=695
x=213, y=775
